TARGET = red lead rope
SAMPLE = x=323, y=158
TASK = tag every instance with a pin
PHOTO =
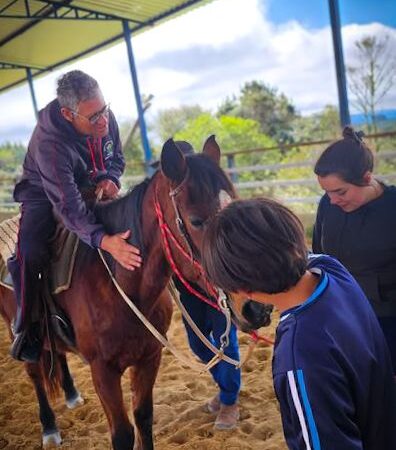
x=167, y=232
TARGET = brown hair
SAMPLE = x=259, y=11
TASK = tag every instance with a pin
x=255, y=245
x=349, y=158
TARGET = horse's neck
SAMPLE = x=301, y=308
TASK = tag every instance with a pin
x=155, y=271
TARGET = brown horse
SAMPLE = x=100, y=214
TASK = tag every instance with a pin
x=108, y=334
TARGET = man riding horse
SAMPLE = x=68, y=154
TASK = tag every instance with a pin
x=75, y=146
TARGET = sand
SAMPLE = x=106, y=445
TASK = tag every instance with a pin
x=180, y=419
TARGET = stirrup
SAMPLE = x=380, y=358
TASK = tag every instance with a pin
x=17, y=344
x=63, y=329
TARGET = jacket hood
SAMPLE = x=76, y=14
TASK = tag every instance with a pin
x=51, y=123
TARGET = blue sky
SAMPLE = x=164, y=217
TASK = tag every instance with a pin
x=315, y=13
x=284, y=43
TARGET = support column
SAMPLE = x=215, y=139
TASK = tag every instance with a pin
x=32, y=93
x=142, y=123
x=345, y=118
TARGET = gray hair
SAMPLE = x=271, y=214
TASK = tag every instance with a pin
x=75, y=87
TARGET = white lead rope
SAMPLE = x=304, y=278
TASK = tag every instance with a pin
x=193, y=364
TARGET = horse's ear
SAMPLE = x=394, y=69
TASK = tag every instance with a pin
x=212, y=150
x=173, y=162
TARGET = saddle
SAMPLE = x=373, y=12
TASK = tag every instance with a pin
x=57, y=277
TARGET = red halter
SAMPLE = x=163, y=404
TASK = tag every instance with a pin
x=166, y=233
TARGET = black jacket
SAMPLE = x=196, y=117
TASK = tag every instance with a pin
x=60, y=163
x=365, y=242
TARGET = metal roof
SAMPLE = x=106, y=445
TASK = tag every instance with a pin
x=42, y=35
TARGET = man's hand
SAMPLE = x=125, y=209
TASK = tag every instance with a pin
x=126, y=254
x=109, y=188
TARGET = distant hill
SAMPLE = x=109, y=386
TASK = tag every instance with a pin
x=384, y=115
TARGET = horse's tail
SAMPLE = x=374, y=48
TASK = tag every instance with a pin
x=51, y=373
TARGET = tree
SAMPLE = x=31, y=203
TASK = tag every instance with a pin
x=273, y=111
x=232, y=134
x=373, y=75
x=228, y=107
x=318, y=126
x=11, y=156
x=171, y=121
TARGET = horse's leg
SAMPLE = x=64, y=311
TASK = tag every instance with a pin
x=47, y=417
x=142, y=381
x=72, y=395
x=107, y=382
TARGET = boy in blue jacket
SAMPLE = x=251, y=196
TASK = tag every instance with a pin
x=332, y=371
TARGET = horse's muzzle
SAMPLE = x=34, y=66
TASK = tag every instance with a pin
x=257, y=314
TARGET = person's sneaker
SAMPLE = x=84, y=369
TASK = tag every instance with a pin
x=213, y=406
x=227, y=417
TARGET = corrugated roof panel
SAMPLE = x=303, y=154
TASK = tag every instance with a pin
x=55, y=34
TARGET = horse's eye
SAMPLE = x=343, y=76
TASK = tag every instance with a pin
x=197, y=222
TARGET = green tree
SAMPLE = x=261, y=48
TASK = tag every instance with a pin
x=11, y=157
x=373, y=75
x=170, y=121
x=233, y=134
x=273, y=111
x=319, y=126
x=228, y=107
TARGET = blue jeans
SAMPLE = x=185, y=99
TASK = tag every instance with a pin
x=212, y=323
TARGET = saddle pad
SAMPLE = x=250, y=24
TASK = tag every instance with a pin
x=61, y=264
x=8, y=236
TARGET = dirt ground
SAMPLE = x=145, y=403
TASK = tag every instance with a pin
x=180, y=419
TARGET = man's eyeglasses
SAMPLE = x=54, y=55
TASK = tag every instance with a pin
x=95, y=117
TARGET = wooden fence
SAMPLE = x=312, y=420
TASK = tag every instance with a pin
x=289, y=180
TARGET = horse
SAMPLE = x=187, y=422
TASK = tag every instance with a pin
x=108, y=335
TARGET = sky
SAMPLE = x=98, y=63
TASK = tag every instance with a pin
x=205, y=55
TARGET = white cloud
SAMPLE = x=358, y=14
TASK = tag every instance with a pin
x=204, y=56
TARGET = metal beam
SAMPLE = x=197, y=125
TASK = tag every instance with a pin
x=71, y=12
x=13, y=66
x=31, y=87
x=142, y=123
x=345, y=118
x=95, y=47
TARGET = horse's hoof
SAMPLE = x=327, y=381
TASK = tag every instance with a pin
x=77, y=400
x=52, y=438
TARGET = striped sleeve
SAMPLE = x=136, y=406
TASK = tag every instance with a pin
x=316, y=413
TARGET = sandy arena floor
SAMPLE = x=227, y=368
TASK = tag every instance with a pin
x=180, y=421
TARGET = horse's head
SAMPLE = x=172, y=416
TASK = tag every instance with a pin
x=249, y=315
x=195, y=189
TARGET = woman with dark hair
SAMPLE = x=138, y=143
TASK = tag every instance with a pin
x=356, y=223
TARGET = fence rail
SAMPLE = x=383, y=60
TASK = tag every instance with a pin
x=312, y=194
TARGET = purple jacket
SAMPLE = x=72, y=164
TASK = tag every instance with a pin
x=60, y=163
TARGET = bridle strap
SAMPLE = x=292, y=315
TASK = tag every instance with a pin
x=179, y=220
x=165, y=233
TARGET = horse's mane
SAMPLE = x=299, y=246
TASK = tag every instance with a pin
x=124, y=214
x=207, y=179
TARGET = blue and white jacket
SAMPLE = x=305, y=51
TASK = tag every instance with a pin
x=332, y=370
